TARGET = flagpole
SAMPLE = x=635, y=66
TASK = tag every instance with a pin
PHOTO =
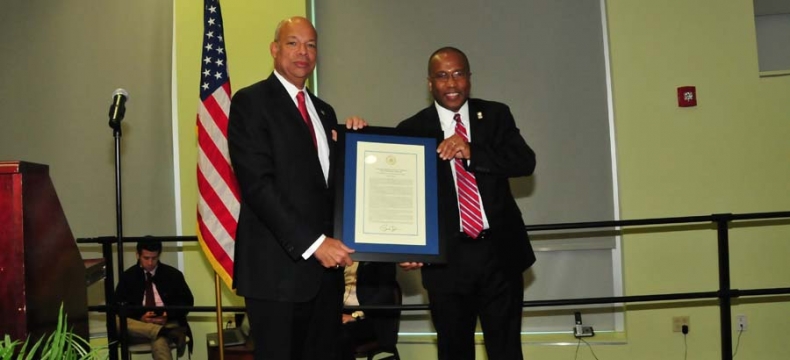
x=220, y=335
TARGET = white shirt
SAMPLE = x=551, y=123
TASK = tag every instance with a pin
x=321, y=143
x=446, y=118
x=320, y=135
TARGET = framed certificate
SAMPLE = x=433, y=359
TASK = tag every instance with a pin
x=386, y=206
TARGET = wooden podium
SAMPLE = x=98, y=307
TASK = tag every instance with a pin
x=40, y=265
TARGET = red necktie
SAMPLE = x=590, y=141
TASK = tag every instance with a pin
x=468, y=196
x=149, y=290
x=305, y=115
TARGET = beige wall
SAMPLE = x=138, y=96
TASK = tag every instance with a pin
x=729, y=154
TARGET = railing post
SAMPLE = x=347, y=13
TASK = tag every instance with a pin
x=109, y=298
x=124, y=334
x=725, y=302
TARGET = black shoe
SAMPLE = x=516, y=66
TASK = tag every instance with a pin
x=178, y=336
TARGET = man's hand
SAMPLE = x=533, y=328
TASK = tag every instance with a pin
x=356, y=123
x=151, y=317
x=453, y=147
x=407, y=266
x=353, y=122
x=333, y=253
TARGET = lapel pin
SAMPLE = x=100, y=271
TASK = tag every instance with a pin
x=479, y=115
x=322, y=112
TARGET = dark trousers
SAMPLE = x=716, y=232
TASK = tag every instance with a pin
x=486, y=292
x=299, y=330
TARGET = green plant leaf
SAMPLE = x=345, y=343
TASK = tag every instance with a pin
x=62, y=344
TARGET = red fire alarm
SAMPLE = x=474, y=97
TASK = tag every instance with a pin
x=687, y=96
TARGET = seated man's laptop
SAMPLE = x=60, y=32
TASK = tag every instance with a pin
x=232, y=337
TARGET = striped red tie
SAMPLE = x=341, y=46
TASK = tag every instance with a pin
x=468, y=196
x=305, y=115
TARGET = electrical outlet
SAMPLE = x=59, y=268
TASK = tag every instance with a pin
x=741, y=323
x=580, y=331
x=678, y=322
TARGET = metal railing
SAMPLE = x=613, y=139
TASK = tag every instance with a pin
x=721, y=223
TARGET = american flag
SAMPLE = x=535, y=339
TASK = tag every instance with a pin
x=218, y=203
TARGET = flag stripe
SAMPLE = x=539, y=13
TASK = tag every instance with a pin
x=213, y=154
x=219, y=255
x=218, y=184
x=211, y=221
x=215, y=111
x=226, y=219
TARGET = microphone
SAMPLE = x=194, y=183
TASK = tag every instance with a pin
x=118, y=107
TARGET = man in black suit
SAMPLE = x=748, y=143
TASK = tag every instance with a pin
x=486, y=243
x=280, y=143
x=168, y=287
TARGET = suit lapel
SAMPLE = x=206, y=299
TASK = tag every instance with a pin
x=323, y=116
x=290, y=111
x=476, y=118
x=292, y=117
x=434, y=126
x=327, y=122
x=449, y=212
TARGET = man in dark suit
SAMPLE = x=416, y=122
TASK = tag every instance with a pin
x=281, y=149
x=369, y=283
x=486, y=243
x=167, y=287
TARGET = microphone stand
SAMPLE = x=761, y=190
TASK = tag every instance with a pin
x=116, y=127
x=118, y=203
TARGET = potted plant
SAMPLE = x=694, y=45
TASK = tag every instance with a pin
x=62, y=344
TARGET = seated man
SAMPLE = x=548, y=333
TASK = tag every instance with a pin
x=152, y=283
x=368, y=283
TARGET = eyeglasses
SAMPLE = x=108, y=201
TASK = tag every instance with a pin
x=443, y=76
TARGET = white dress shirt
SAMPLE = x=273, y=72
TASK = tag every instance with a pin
x=446, y=118
x=321, y=143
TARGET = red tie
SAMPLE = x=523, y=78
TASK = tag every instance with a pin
x=149, y=290
x=468, y=196
x=305, y=115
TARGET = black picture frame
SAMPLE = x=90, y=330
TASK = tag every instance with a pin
x=346, y=173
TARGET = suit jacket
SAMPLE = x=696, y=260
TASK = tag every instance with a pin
x=285, y=201
x=499, y=152
x=170, y=284
x=375, y=286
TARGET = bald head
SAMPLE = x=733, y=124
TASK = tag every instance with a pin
x=294, y=49
x=290, y=21
x=443, y=52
